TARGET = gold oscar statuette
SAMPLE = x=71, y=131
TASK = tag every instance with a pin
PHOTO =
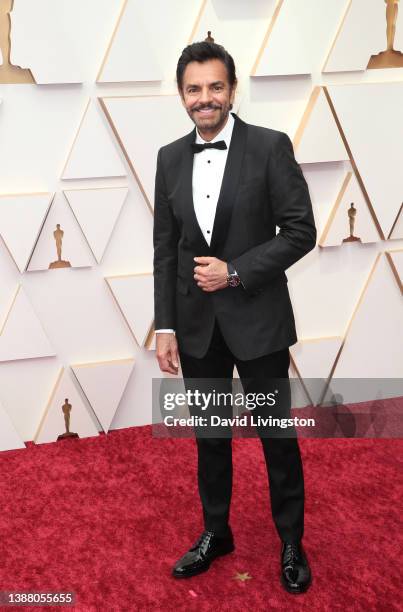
x=66, y=408
x=209, y=37
x=389, y=58
x=59, y=263
x=8, y=72
x=352, y=212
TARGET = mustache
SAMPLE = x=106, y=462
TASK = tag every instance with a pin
x=210, y=107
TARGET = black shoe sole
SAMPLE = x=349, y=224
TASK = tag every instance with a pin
x=301, y=589
x=204, y=568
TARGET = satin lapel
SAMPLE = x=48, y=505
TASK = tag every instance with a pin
x=229, y=185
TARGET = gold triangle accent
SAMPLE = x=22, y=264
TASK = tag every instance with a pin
x=77, y=220
x=122, y=10
x=94, y=364
x=301, y=380
x=266, y=38
x=341, y=26
x=10, y=309
x=196, y=24
x=41, y=229
x=107, y=279
x=149, y=337
x=120, y=141
x=99, y=363
x=354, y=165
x=13, y=195
x=75, y=138
x=335, y=208
x=395, y=222
x=129, y=161
x=128, y=275
x=306, y=116
x=393, y=267
x=349, y=326
x=52, y=394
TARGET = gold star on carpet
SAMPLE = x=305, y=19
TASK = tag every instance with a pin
x=242, y=577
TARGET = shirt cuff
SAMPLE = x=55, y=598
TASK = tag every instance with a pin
x=164, y=331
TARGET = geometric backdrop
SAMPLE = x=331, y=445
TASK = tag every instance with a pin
x=80, y=129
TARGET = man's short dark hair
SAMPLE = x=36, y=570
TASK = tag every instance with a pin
x=202, y=52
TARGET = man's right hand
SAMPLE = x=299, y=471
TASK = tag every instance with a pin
x=167, y=352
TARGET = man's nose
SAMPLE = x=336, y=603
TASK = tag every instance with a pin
x=205, y=95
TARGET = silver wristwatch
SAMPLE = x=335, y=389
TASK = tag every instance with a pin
x=233, y=279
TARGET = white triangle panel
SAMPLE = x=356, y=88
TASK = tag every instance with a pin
x=294, y=42
x=338, y=227
x=324, y=182
x=104, y=384
x=373, y=126
x=135, y=296
x=21, y=218
x=74, y=247
x=300, y=396
x=130, y=56
x=97, y=211
x=169, y=34
x=362, y=33
x=53, y=422
x=9, y=438
x=133, y=118
x=315, y=357
x=373, y=346
x=238, y=26
x=94, y=154
x=142, y=136
x=290, y=23
x=21, y=333
x=46, y=38
x=318, y=138
x=338, y=290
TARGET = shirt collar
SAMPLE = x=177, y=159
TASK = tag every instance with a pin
x=224, y=134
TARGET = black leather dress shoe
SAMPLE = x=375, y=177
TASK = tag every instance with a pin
x=199, y=557
x=295, y=571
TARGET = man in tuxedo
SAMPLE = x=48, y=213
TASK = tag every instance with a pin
x=220, y=288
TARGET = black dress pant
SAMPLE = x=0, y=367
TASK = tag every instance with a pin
x=282, y=455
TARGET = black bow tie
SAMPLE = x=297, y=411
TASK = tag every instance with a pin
x=196, y=147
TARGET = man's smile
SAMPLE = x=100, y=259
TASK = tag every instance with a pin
x=206, y=111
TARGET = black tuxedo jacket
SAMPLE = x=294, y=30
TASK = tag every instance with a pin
x=263, y=187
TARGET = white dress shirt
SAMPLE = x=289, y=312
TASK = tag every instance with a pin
x=208, y=171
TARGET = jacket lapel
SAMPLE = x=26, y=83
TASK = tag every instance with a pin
x=229, y=185
x=228, y=192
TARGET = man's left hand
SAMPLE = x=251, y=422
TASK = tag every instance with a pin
x=210, y=273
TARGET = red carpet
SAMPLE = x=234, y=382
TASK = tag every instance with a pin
x=106, y=517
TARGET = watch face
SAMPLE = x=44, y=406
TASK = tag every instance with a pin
x=234, y=281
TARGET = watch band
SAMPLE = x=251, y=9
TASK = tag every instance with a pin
x=233, y=279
